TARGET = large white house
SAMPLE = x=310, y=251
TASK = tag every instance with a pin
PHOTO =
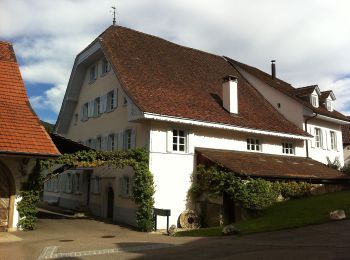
x=129, y=89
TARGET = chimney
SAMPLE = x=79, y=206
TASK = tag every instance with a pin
x=273, y=69
x=229, y=94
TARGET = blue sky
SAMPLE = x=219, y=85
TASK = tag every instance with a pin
x=309, y=39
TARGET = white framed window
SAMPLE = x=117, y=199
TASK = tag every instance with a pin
x=127, y=139
x=314, y=100
x=97, y=107
x=95, y=185
x=98, y=143
x=288, y=148
x=333, y=140
x=253, y=144
x=318, y=138
x=93, y=73
x=84, y=112
x=112, y=98
x=105, y=67
x=111, y=145
x=125, y=186
x=179, y=140
x=329, y=105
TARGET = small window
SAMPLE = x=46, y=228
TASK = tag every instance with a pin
x=318, y=138
x=105, y=66
x=253, y=144
x=84, y=112
x=125, y=101
x=97, y=111
x=93, y=73
x=127, y=139
x=333, y=140
x=125, y=186
x=99, y=143
x=111, y=143
x=288, y=148
x=179, y=140
x=314, y=100
x=329, y=105
x=95, y=185
x=111, y=100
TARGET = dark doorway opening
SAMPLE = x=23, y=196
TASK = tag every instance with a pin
x=110, y=203
x=4, y=202
x=229, y=210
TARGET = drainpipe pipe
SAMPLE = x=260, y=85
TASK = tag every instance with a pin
x=307, y=142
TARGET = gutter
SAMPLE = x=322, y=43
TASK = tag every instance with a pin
x=307, y=141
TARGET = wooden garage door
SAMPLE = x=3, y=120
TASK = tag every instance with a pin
x=4, y=202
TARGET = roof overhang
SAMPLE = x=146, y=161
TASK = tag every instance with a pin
x=27, y=155
x=188, y=121
x=332, y=119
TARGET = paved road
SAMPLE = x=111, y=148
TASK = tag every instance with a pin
x=64, y=237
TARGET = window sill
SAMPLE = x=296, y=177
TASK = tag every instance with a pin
x=92, y=81
x=104, y=74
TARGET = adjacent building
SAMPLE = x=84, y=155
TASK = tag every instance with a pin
x=346, y=143
x=185, y=106
x=22, y=138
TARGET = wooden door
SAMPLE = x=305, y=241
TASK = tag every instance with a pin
x=4, y=202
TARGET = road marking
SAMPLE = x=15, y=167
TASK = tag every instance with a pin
x=50, y=251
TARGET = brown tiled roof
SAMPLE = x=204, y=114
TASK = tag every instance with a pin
x=303, y=91
x=20, y=130
x=287, y=89
x=345, y=129
x=168, y=79
x=269, y=166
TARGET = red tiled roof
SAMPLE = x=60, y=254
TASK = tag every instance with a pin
x=20, y=130
x=288, y=89
x=269, y=166
x=345, y=129
x=168, y=79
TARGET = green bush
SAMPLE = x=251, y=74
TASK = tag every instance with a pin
x=27, y=209
x=292, y=190
x=251, y=193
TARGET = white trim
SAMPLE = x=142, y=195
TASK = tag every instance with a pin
x=331, y=119
x=220, y=125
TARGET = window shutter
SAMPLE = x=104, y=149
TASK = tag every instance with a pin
x=190, y=144
x=312, y=140
x=169, y=142
x=116, y=141
x=82, y=113
x=328, y=139
x=93, y=143
x=133, y=138
x=336, y=142
x=109, y=100
x=103, y=103
x=324, y=138
x=115, y=99
x=120, y=141
x=91, y=108
x=109, y=143
x=104, y=141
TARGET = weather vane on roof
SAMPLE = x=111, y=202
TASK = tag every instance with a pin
x=113, y=7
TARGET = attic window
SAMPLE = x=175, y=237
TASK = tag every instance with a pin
x=314, y=100
x=329, y=105
x=105, y=67
x=93, y=73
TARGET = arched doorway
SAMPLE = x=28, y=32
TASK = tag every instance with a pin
x=5, y=202
x=110, y=203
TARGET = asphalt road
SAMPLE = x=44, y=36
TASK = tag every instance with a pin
x=65, y=237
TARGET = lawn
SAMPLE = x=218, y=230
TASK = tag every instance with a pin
x=288, y=214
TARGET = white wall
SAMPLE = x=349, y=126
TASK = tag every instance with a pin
x=320, y=154
x=173, y=171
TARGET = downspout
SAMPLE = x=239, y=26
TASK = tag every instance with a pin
x=307, y=142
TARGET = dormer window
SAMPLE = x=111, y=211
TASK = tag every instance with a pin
x=329, y=105
x=314, y=100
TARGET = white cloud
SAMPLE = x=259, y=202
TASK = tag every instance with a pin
x=309, y=38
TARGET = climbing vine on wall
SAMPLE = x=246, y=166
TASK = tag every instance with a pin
x=143, y=180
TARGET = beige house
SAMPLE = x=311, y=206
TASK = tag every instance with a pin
x=129, y=89
x=22, y=138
